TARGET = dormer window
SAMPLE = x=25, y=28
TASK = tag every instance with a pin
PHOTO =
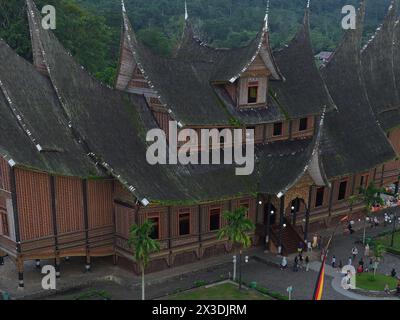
x=253, y=92
x=303, y=125
x=252, y=95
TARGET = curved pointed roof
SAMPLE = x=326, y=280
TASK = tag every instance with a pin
x=378, y=71
x=109, y=126
x=352, y=141
x=304, y=91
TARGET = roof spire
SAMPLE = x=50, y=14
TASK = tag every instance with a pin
x=186, y=12
x=123, y=5
x=266, y=19
x=308, y=4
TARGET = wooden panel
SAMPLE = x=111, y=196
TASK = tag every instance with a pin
x=394, y=138
x=162, y=119
x=34, y=204
x=124, y=219
x=4, y=175
x=100, y=203
x=69, y=205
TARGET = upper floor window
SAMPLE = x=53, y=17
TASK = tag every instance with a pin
x=215, y=219
x=342, y=190
x=278, y=129
x=252, y=95
x=363, y=182
x=303, y=125
x=184, y=223
x=319, y=199
x=155, y=232
x=4, y=224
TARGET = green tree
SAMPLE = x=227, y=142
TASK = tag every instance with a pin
x=369, y=196
x=237, y=231
x=143, y=246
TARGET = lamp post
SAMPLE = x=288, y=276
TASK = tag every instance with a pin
x=234, y=268
x=394, y=229
x=365, y=227
x=246, y=260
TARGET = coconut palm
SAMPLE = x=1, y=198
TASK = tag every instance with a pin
x=143, y=246
x=237, y=231
x=370, y=196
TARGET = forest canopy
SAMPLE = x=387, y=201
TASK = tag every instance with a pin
x=90, y=29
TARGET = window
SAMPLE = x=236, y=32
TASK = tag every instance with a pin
x=252, y=92
x=215, y=219
x=363, y=182
x=245, y=204
x=303, y=124
x=278, y=128
x=342, y=190
x=319, y=199
x=155, y=232
x=184, y=224
x=4, y=223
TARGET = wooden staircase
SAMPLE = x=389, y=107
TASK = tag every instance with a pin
x=290, y=238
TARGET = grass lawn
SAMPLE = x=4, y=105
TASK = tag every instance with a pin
x=225, y=291
x=387, y=239
x=367, y=281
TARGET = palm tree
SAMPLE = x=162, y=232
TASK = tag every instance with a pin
x=379, y=251
x=143, y=245
x=369, y=196
x=237, y=231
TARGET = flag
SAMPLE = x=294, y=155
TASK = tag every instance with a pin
x=319, y=287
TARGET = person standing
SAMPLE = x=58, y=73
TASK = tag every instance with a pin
x=366, y=250
x=340, y=266
x=307, y=263
x=350, y=261
x=283, y=263
x=296, y=264
x=333, y=262
x=315, y=241
x=354, y=252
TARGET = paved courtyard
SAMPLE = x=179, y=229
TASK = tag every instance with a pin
x=262, y=268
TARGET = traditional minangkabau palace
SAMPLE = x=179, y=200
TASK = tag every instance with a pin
x=73, y=170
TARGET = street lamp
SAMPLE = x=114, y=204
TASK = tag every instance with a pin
x=365, y=227
x=234, y=268
x=246, y=260
x=394, y=229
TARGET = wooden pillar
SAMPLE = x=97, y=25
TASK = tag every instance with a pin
x=281, y=217
x=169, y=212
x=86, y=221
x=331, y=189
x=268, y=222
x=200, y=230
x=55, y=230
x=382, y=175
x=20, y=266
x=308, y=211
